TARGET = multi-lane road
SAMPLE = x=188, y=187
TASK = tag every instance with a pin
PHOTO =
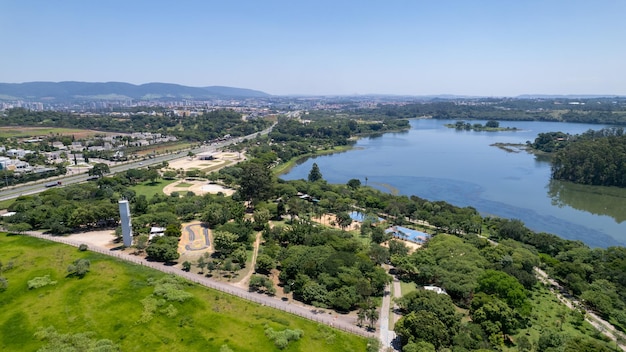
x=39, y=186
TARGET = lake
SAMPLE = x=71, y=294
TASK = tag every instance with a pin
x=434, y=162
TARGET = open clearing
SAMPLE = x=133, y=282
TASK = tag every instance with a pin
x=21, y=131
x=112, y=301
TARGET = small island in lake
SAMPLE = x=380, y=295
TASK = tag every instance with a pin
x=490, y=126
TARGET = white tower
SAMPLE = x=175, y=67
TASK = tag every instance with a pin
x=127, y=230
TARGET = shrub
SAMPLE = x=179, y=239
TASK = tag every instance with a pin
x=79, y=268
x=40, y=281
x=282, y=338
x=83, y=247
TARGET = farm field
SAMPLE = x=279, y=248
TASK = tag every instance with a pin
x=135, y=307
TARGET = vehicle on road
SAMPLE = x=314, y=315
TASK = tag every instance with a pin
x=53, y=184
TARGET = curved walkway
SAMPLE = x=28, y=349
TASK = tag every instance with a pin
x=286, y=306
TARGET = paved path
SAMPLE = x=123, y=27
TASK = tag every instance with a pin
x=386, y=332
x=286, y=306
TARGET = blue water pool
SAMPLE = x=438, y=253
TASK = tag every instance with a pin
x=408, y=234
x=357, y=216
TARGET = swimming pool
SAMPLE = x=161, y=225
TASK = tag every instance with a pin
x=357, y=216
x=408, y=234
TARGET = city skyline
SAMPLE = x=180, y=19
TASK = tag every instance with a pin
x=488, y=48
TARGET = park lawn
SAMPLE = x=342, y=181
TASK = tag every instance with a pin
x=162, y=148
x=184, y=185
x=149, y=189
x=6, y=203
x=217, y=167
x=107, y=302
x=407, y=287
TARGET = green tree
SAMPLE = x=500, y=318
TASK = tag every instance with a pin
x=315, y=174
x=163, y=249
x=492, y=124
x=265, y=263
x=422, y=326
x=354, y=183
x=256, y=182
x=503, y=285
x=173, y=230
x=99, y=169
x=438, y=304
x=79, y=268
x=225, y=242
x=261, y=217
x=343, y=220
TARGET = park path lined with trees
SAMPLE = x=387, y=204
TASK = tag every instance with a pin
x=286, y=306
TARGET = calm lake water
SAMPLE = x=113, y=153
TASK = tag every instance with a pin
x=461, y=167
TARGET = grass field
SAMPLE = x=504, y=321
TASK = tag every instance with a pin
x=22, y=132
x=112, y=298
x=161, y=148
x=149, y=189
x=6, y=203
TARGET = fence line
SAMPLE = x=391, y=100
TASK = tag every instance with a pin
x=219, y=286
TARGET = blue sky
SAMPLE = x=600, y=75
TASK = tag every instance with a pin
x=487, y=48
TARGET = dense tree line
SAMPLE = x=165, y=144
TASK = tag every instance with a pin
x=593, y=158
x=205, y=127
x=596, y=110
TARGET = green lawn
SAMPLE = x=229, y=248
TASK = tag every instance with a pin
x=148, y=188
x=108, y=302
x=6, y=203
x=407, y=287
x=184, y=185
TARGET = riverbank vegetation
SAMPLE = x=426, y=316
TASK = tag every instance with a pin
x=591, y=158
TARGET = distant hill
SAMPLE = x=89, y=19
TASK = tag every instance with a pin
x=72, y=91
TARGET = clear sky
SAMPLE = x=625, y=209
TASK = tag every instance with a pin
x=413, y=47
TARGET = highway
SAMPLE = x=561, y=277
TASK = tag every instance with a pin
x=39, y=186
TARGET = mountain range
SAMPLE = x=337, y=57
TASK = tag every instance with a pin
x=76, y=91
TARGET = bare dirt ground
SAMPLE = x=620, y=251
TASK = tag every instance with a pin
x=331, y=221
x=412, y=245
x=197, y=187
x=193, y=163
x=192, y=246
x=222, y=159
x=102, y=238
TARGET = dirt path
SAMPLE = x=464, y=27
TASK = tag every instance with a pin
x=597, y=322
x=243, y=282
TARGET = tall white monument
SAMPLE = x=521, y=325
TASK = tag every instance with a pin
x=127, y=229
